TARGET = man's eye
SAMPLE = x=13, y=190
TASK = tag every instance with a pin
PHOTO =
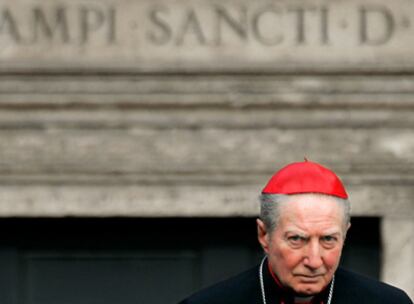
x=329, y=239
x=296, y=239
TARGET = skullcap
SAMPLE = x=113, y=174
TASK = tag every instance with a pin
x=305, y=177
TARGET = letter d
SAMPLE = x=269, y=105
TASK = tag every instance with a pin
x=370, y=32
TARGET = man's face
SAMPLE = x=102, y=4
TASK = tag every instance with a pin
x=305, y=247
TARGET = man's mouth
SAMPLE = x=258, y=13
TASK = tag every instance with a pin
x=309, y=278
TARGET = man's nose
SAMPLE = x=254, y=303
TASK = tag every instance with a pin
x=313, y=257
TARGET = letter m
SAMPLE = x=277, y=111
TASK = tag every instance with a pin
x=42, y=27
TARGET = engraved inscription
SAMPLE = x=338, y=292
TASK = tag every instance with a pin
x=59, y=25
x=149, y=33
x=263, y=25
x=269, y=25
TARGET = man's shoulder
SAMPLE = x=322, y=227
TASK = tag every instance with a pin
x=242, y=288
x=351, y=285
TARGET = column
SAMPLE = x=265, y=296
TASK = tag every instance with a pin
x=398, y=253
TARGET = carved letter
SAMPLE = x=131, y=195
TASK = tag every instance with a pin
x=300, y=23
x=324, y=25
x=8, y=25
x=372, y=35
x=91, y=20
x=191, y=24
x=41, y=27
x=238, y=26
x=257, y=29
x=111, y=25
x=163, y=33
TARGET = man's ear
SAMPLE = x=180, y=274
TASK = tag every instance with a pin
x=262, y=235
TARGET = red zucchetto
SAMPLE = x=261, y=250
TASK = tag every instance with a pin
x=305, y=177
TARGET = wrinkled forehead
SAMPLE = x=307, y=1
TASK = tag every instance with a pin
x=311, y=208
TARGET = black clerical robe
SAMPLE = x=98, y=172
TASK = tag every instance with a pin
x=349, y=288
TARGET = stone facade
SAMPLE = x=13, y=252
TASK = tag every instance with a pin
x=152, y=108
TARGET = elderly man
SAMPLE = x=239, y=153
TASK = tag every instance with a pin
x=304, y=218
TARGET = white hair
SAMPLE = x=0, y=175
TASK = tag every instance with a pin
x=270, y=208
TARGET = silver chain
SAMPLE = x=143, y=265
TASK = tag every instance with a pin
x=263, y=290
x=331, y=290
x=261, y=280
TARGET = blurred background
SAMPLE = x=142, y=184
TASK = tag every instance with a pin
x=136, y=136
